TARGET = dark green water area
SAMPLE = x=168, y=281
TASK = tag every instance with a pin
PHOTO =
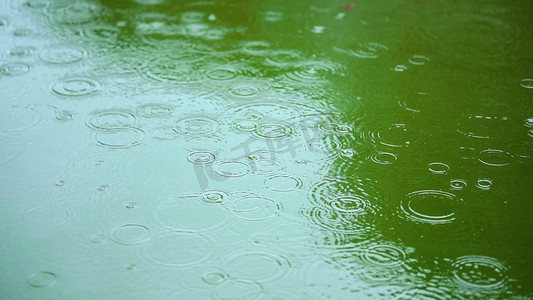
x=159, y=149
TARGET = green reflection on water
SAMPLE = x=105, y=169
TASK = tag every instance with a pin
x=242, y=150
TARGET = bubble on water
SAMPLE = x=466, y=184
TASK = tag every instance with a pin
x=418, y=60
x=214, y=197
x=111, y=119
x=458, y=184
x=41, y=279
x=76, y=87
x=527, y=83
x=154, y=110
x=438, y=168
x=430, y=206
x=369, y=50
x=119, y=138
x=481, y=272
x=22, y=51
x=130, y=234
x=253, y=207
x=273, y=130
x=283, y=58
x=197, y=125
x=384, y=158
x=495, y=157
x=194, y=248
x=14, y=69
x=283, y=183
x=384, y=255
x=484, y=183
x=46, y=217
x=231, y=168
x=64, y=54
x=207, y=143
x=201, y=158
x=77, y=13
x=258, y=266
x=256, y=48
x=222, y=73
x=311, y=72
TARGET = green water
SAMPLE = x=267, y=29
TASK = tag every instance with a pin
x=266, y=149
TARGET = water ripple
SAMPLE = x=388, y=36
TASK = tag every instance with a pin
x=258, y=266
x=480, y=272
x=111, y=119
x=76, y=87
x=430, y=206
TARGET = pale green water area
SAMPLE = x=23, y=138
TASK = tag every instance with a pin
x=159, y=149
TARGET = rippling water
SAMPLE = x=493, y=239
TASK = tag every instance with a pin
x=265, y=150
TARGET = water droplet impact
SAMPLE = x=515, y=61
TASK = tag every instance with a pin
x=248, y=89
x=400, y=68
x=64, y=116
x=231, y=168
x=14, y=69
x=169, y=71
x=74, y=14
x=527, y=83
x=205, y=144
x=256, y=48
x=265, y=163
x=61, y=183
x=495, y=158
x=201, y=158
x=22, y=51
x=258, y=266
x=311, y=72
x=384, y=158
x=130, y=205
x=430, y=206
x=384, y=255
x=484, y=183
x=418, y=60
x=283, y=58
x=222, y=73
x=103, y=187
x=197, y=125
x=477, y=271
x=283, y=183
x=438, y=168
x=45, y=217
x=273, y=131
x=130, y=234
x=111, y=119
x=64, y=54
x=154, y=110
x=76, y=87
x=214, y=278
x=245, y=125
x=214, y=197
x=124, y=138
x=458, y=184
x=369, y=50
x=41, y=279
x=253, y=207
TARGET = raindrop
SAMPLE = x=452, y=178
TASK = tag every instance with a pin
x=201, y=158
x=430, y=206
x=283, y=58
x=214, y=197
x=76, y=87
x=231, y=168
x=222, y=73
x=336, y=221
x=396, y=135
x=64, y=54
x=245, y=125
x=41, y=279
x=248, y=89
x=400, y=68
x=348, y=153
x=283, y=183
x=111, y=119
x=169, y=71
x=214, y=278
x=477, y=271
x=205, y=144
x=258, y=266
x=165, y=133
x=130, y=234
x=272, y=16
x=61, y=183
x=265, y=163
x=64, y=115
x=438, y=168
x=130, y=205
x=119, y=138
x=103, y=187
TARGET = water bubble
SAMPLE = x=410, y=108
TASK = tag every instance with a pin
x=438, y=168
x=258, y=266
x=477, y=271
x=283, y=183
x=14, y=69
x=484, y=183
x=418, y=60
x=201, y=158
x=214, y=197
x=369, y=50
x=430, y=206
x=384, y=158
x=253, y=207
x=119, y=138
x=154, y=110
x=197, y=125
x=495, y=158
x=64, y=54
x=527, y=83
x=41, y=279
x=130, y=234
x=193, y=249
x=111, y=119
x=384, y=255
x=273, y=130
x=231, y=168
x=77, y=13
x=458, y=184
x=76, y=87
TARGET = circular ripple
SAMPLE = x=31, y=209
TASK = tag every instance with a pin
x=328, y=145
x=64, y=54
x=165, y=133
x=335, y=128
x=111, y=119
x=14, y=69
x=283, y=58
x=76, y=87
x=41, y=279
x=477, y=271
x=197, y=125
x=418, y=60
x=313, y=71
x=201, y=158
x=420, y=101
x=527, y=83
x=283, y=183
x=256, y=48
x=231, y=168
x=258, y=266
x=253, y=207
x=336, y=221
x=248, y=89
x=179, y=249
x=74, y=14
x=214, y=197
x=438, y=168
x=22, y=51
x=265, y=162
x=430, y=206
x=245, y=125
x=119, y=138
x=397, y=135
x=369, y=50
x=46, y=217
x=384, y=158
x=329, y=191
x=484, y=183
x=223, y=73
x=170, y=71
x=495, y=158
x=457, y=184
x=384, y=255
x=273, y=131
x=205, y=144
x=130, y=234
x=154, y=110
x=273, y=111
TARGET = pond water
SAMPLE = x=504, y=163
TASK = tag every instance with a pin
x=159, y=149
